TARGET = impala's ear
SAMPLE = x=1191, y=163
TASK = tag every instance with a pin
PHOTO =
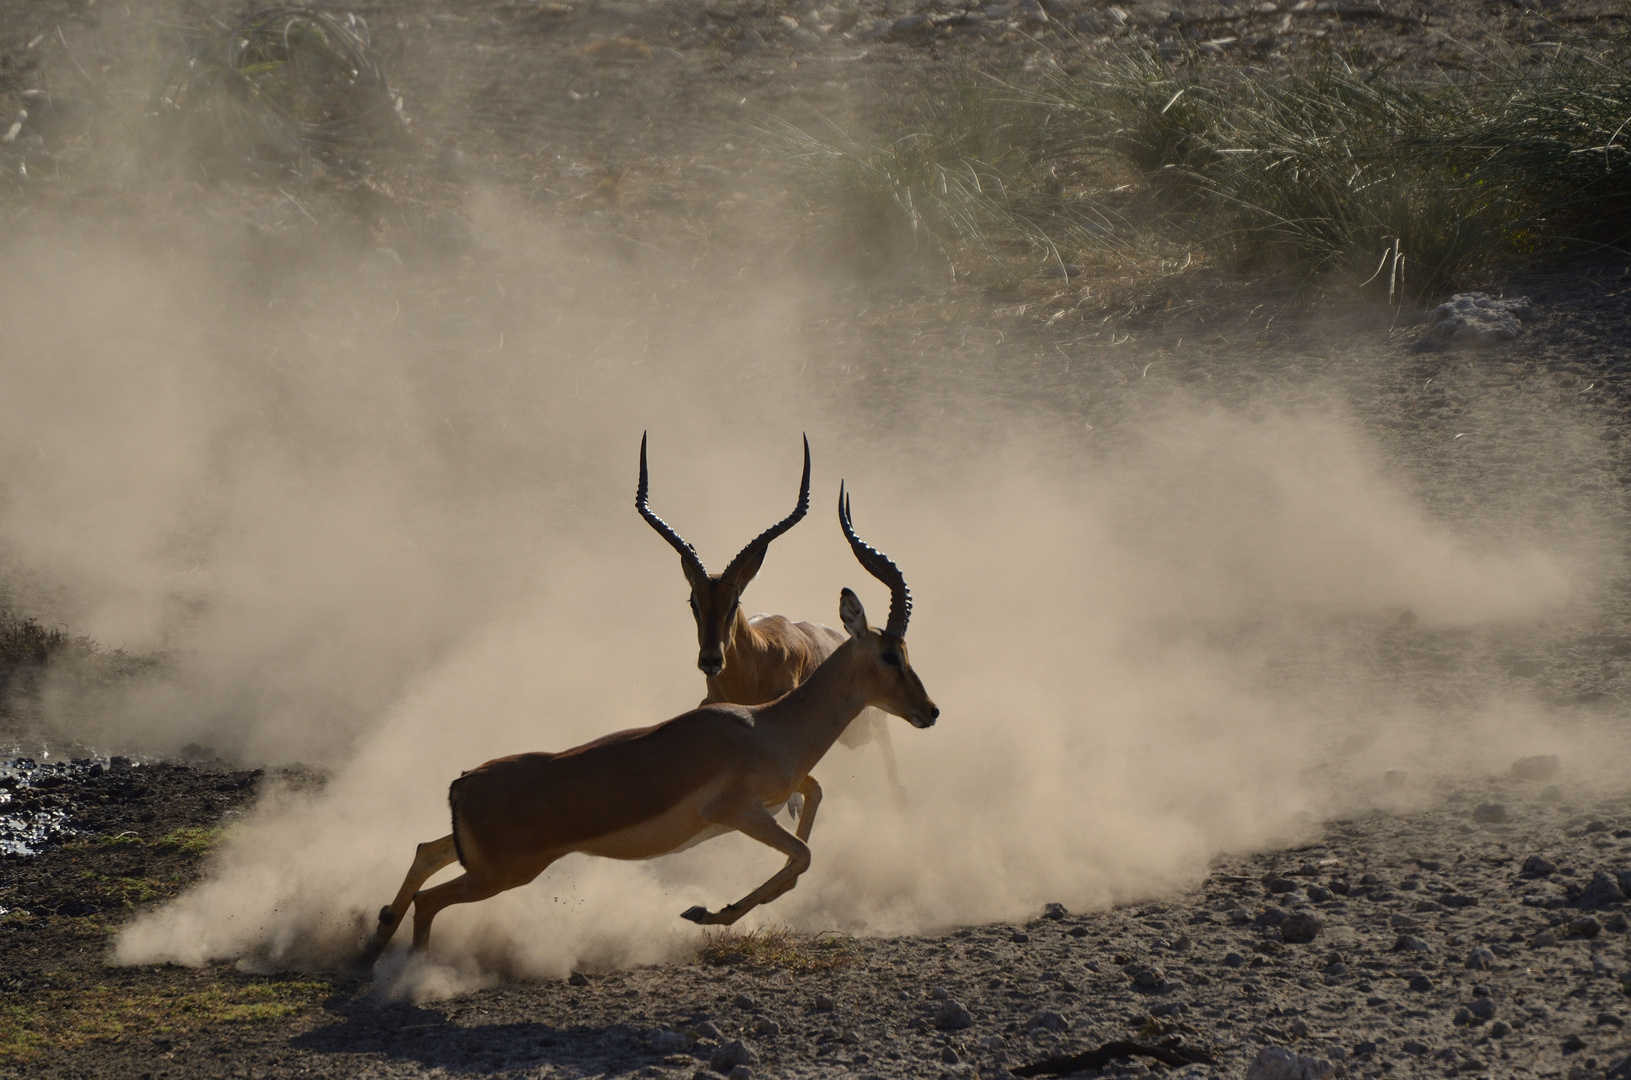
x=694, y=576
x=853, y=614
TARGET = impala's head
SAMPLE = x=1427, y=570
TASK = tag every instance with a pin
x=896, y=688
x=715, y=598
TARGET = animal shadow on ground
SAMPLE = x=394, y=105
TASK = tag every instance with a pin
x=434, y=1039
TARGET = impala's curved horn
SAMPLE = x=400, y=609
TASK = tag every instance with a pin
x=756, y=547
x=693, y=561
x=879, y=566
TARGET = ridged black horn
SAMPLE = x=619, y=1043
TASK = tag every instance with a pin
x=693, y=561
x=760, y=542
x=879, y=566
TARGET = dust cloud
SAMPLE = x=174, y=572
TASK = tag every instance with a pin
x=379, y=519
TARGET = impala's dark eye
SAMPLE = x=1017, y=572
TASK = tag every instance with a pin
x=892, y=659
x=693, y=603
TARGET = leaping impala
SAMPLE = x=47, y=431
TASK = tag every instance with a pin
x=652, y=791
x=750, y=661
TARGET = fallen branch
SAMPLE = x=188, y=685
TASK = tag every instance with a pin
x=1168, y=1054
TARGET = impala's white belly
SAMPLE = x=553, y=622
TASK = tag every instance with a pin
x=680, y=827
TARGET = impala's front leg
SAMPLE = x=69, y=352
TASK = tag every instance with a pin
x=811, y=792
x=756, y=821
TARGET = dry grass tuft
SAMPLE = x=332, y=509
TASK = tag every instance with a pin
x=779, y=947
x=60, y=1019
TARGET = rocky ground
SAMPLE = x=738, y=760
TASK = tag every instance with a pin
x=1486, y=936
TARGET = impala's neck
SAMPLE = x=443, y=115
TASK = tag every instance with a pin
x=755, y=670
x=810, y=717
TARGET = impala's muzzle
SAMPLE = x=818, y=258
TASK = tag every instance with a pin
x=925, y=720
x=711, y=665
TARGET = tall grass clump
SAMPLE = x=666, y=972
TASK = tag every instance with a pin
x=971, y=184
x=1321, y=171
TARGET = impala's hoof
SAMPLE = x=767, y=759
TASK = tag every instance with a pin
x=698, y=914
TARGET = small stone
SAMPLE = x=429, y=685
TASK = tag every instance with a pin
x=1480, y=959
x=1271, y=917
x=1608, y=1019
x=1234, y=960
x=1483, y=1008
x=1078, y=931
x=1408, y=943
x=1364, y=1048
x=1538, y=767
x=1462, y=1017
x=1019, y=937
x=1239, y=916
x=1538, y=866
x=1499, y=1028
x=1573, y=1043
x=1596, y=826
x=741, y=1072
x=824, y=1003
x=745, y=1003
x=1615, y=922
x=1490, y=814
x=952, y=1016
x=732, y=1054
x=1281, y=885
x=805, y=40
x=1320, y=894
x=1301, y=928
x=1183, y=944
x=1544, y=939
x=1055, y=911
x=1410, y=1046
x=1552, y=793
x=1278, y=1063
x=1147, y=978
x=578, y=978
x=1587, y=927
x=1402, y=922
x=1421, y=983
x=765, y=1026
x=949, y=1056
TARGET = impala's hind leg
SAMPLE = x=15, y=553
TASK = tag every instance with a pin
x=427, y=860
x=757, y=822
x=464, y=889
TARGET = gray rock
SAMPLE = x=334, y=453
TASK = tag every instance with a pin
x=1410, y=1046
x=1480, y=959
x=765, y=1026
x=1055, y=911
x=1616, y=922
x=1603, y=891
x=1407, y=943
x=1278, y=1063
x=1273, y=916
x=1300, y=928
x=1402, y=922
x=1420, y=983
x=823, y=1003
x=909, y=24
x=1544, y=939
x=578, y=978
x=805, y=40
x=1490, y=814
x=1239, y=916
x=952, y=1016
x=742, y=1001
x=1475, y=320
x=1538, y=767
x=1482, y=1007
x=1586, y=927
x=1538, y=866
x=1234, y=960
x=741, y=1072
x=669, y=1042
x=731, y=1055
x=1048, y=1021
